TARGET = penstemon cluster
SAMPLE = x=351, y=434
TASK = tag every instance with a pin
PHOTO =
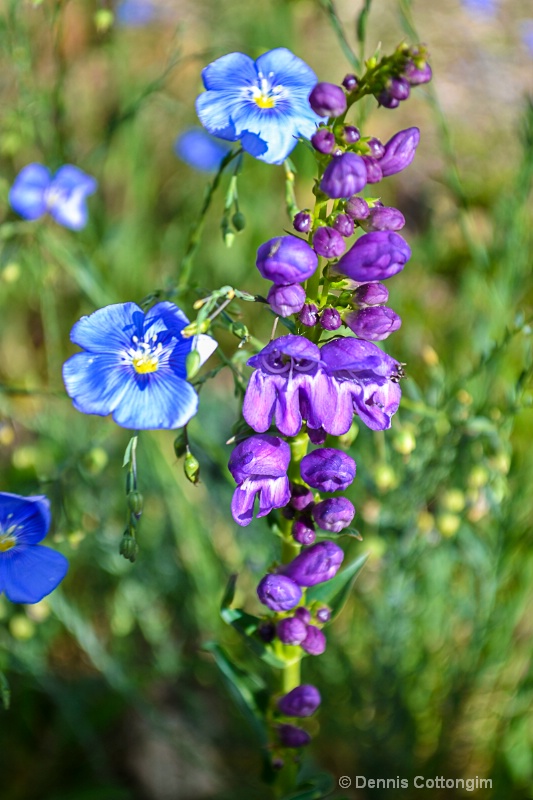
x=138, y=364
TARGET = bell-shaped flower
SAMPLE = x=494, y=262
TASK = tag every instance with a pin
x=259, y=466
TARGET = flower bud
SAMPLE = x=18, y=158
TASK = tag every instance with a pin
x=386, y=100
x=193, y=362
x=291, y=631
x=135, y=503
x=316, y=564
x=302, y=701
x=417, y=75
x=266, y=631
x=285, y=260
x=315, y=641
x=291, y=736
x=259, y=456
x=373, y=324
x=375, y=257
x=328, y=242
x=279, y=593
x=238, y=221
x=371, y=294
x=240, y=330
x=382, y=218
x=345, y=175
x=328, y=470
x=330, y=319
x=373, y=169
x=327, y=100
x=129, y=547
x=344, y=225
x=303, y=532
x=323, y=141
x=317, y=435
x=302, y=222
x=191, y=468
x=301, y=496
x=323, y=615
x=399, y=88
x=309, y=315
x=304, y=614
x=357, y=208
x=376, y=147
x=351, y=134
x=399, y=151
x=333, y=514
x=286, y=300
x=350, y=83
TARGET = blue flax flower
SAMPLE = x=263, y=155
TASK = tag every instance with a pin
x=28, y=571
x=264, y=103
x=134, y=366
x=135, y=13
x=35, y=192
x=199, y=150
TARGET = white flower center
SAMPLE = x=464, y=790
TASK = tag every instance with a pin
x=7, y=538
x=264, y=94
x=144, y=356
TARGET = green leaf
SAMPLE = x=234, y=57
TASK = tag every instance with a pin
x=334, y=593
x=5, y=692
x=362, y=20
x=129, y=452
x=315, y=789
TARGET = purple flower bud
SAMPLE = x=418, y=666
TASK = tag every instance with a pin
x=351, y=134
x=345, y=175
x=399, y=88
x=333, y=514
x=286, y=259
x=260, y=455
x=350, y=83
x=316, y=564
x=371, y=294
x=323, y=141
x=399, y=151
x=291, y=736
x=291, y=631
x=304, y=614
x=315, y=641
x=383, y=218
x=373, y=324
x=376, y=147
x=286, y=300
x=279, y=593
x=386, y=100
x=300, y=702
x=328, y=470
x=328, y=242
x=309, y=315
x=327, y=100
x=323, y=615
x=302, y=222
x=357, y=208
x=417, y=75
x=344, y=224
x=301, y=496
x=266, y=631
x=303, y=532
x=375, y=257
x=317, y=435
x=330, y=319
x=373, y=169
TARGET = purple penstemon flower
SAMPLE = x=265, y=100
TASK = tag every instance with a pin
x=28, y=570
x=264, y=104
x=36, y=192
x=259, y=466
x=134, y=366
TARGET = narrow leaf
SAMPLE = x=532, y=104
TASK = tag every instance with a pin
x=334, y=593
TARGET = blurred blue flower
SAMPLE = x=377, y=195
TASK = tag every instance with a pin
x=200, y=150
x=134, y=366
x=264, y=103
x=527, y=34
x=486, y=7
x=35, y=192
x=135, y=12
x=28, y=571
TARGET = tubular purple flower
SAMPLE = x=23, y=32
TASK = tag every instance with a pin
x=376, y=147
x=291, y=736
x=345, y=175
x=323, y=141
x=333, y=514
x=316, y=564
x=399, y=88
x=317, y=435
x=285, y=260
x=328, y=242
x=328, y=469
x=382, y=218
x=286, y=300
x=417, y=75
x=344, y=225
x=259, y=466
x=386, y=100
x=399, y=151
x=375, y=323
x=302, y=222
x=301, y=496
x=371, y=294
x=357, y=208
x=309, y=315
x=315, y=641
x=373, y=169
x=374, y=257
x=279, y=593
x=304, y=614
x=330, y=319
x=282, y=386
x=291, y=631
x=327, y=100
x=302, y=701
x=303, y=532
x=351, y=134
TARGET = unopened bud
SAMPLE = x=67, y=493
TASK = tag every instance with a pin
x=240, y=330
x=193, y=363
x=194, y=328
x=448, y=524
x=385, y=478
x=128, y=547
x=191, y=467
x=136, y=503
x=404, y=442
x=103, y=20
x=238, y=221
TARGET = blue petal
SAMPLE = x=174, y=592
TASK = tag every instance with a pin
x=199, y=150
x=288, y=69
x=165, y=316
x=67, y=194
x=27, y=196
x=135, y=12
x=157, y=400
x=109, y=329
x=269, y=138
x=31, y=515
x=96, y=382
x=30, y=572
x=231, y=71
x=215, y=110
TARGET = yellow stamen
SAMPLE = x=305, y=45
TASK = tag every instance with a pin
x=6, y=543
x=145, y=363
x=264, y=101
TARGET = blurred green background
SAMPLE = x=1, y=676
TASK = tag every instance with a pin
x=428, y=671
